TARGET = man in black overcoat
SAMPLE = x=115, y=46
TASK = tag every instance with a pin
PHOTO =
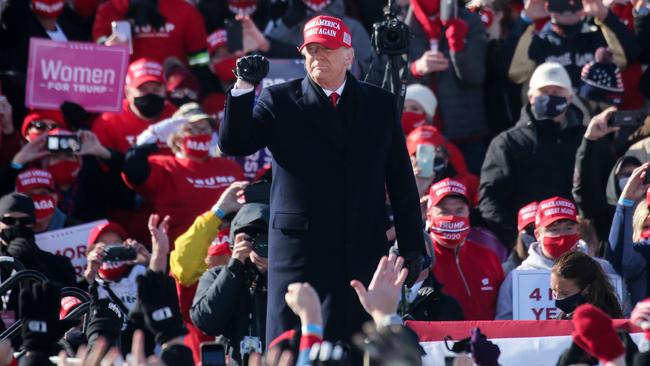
x=338, y=148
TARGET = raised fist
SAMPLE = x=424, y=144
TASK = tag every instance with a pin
x=252, y=69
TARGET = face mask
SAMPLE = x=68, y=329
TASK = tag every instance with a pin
x=112, y=271
x=439, y=166
x=555, y=246
x=527, y=239
x=645, y=234
x=569, y=304
x=569, y=30
x=180, y=101
x=85, y=8
x=549, y=106
x=47, y=9
x=45, y=205
x=242, y=7
x=223, y=69
x=449, y=231
x=150, y=105
x=622, y=182
x=11, y=233
x=196, y=146
x=65, y=172
x=430, y=7
x=413, y=120
x=316, y=5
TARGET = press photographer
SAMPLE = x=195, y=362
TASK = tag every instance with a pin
x=231, y=300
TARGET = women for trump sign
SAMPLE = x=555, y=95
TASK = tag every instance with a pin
x=85, y=73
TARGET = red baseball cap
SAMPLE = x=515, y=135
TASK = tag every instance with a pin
x=68, y=303
x=34, y=178
x=444, y=188
x=41, y=114
x=217, y=39
x=328, y=31
x=105, y=228
x=554, y=209
x=424, y=135
x=143, y=70
x=526, y=215
x=221, y=244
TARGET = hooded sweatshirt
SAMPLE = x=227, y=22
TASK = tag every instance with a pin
x=536, y=260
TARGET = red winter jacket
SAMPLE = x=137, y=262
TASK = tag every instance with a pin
x=472, y=275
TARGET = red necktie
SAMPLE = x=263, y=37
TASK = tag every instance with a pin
x=334, y=98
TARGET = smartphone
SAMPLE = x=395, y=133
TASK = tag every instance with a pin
x=561, y=6
x=117, y=253
x=63, y=143
x=424, y=156
x=213, y=354
x=122, y=30
x=235, y=35
x=448, y=9
x=627, y=118
x=259, y=192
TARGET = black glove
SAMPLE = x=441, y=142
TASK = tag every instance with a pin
x=74, y=115
x=22, y=249
x=158, y=302
x=145, y=12
x=105, y=318
x=296, y=12
x=414, y=262
x=484, y=352
x=39, y=310
x=252, y=68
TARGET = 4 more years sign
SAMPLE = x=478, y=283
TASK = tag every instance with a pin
x=85, y=73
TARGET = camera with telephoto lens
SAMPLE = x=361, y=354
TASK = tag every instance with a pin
x=391, y=35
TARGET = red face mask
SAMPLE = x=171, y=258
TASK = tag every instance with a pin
x=316, y=5
x=112, y=271
x=557, y=245
x=86, y=8
x=223, y=69
x=44, y=204
x=196, y=146
x=449, y=231
x=645, y=234
x=49, y=9
x=64, y=172
x=242, y=7
x=412, y=120
x=430, y=7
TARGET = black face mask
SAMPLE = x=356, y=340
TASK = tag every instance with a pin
x=10, y=233
x=569, y=31
x=439, y=166
x=569, y=304
x=527, y=239
x=180, y=101
x=548, y=106
x=149, y=105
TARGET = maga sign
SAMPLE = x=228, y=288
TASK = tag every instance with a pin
x=532, y=297
x=85, y=73
x=69, y=242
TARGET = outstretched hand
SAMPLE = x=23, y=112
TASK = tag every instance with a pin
x=380, y=298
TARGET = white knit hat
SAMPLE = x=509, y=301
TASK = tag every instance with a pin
x=424, y=96
x=550, y=73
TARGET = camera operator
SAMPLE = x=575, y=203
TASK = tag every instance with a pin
x=231, y=300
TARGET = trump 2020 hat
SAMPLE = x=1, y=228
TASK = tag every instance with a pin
x=445, y=188
x=34, y=178
x=217, y=39
x=105, y=228
x=328, y=31
x=143, y=70
x=554, y=209
x=526, y=215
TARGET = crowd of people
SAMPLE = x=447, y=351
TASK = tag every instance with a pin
x=527, y=125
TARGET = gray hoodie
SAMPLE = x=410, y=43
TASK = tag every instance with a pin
x=536, y=260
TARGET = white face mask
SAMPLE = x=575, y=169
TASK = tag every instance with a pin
x=622, y=182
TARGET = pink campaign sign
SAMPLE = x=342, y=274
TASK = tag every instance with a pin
x=85, y=73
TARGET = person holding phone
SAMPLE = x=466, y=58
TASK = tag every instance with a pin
x=448, y=51
x=338, y=147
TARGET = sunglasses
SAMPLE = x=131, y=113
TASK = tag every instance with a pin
x=43, y=126
x=11, y=221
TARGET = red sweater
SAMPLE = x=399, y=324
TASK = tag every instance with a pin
x=185, y=189
x=472, y=277
x=118, y=131
x=183, y=33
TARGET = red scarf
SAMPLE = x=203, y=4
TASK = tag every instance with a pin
x=428, y=18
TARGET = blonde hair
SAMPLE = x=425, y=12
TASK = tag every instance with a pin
x=638, y=220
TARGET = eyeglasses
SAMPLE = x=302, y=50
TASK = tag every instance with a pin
x=43, y=126
x=11, y=221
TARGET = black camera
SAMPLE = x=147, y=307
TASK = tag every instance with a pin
x=260, y=243
x=391, y=35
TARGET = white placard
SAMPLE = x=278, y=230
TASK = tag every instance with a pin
x=532, y=298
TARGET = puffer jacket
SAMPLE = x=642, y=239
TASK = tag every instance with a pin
x=459, y=89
